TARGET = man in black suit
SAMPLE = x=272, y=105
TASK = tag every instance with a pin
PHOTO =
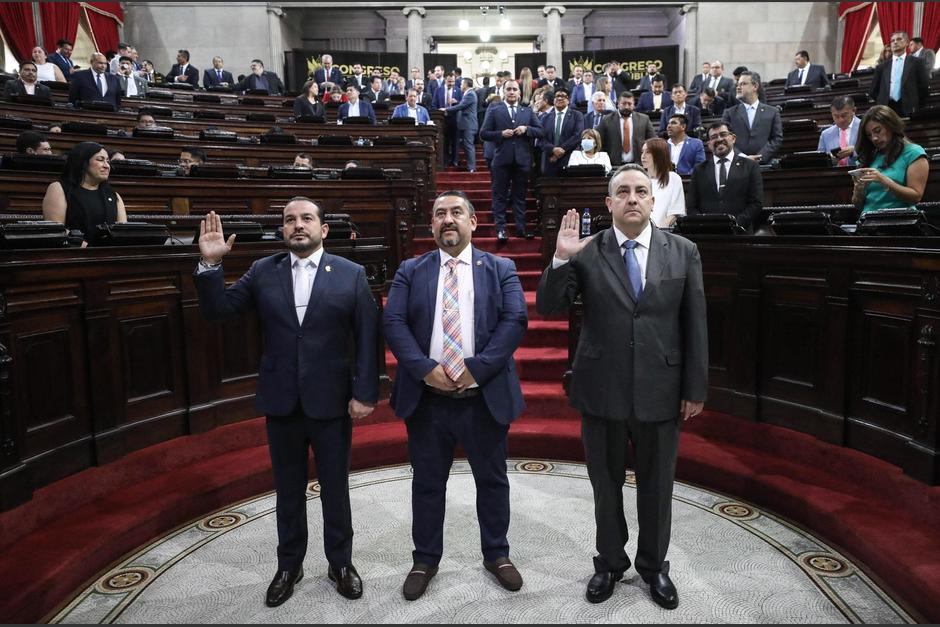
x=640, y=369
x=95, y=84
x=646, y=82
x=424, y=98
x=700, y=81
x=375, y=94
x=551, y=79
x=313, y=307
x=357, y=78
x=218, y=76
x=63, y=58
x=710, y=104
x=620, y=81
x=722, y=85
x=261, y=79
x=182, y=71
x=26, y=84
x=807, y=73
x=595, y=116
x=327, y=72
x=415, y=76
x=625, y=129
x=902, y=82
x=728, y=182
x=561, y=130
x=511, y=127
x=755, y=124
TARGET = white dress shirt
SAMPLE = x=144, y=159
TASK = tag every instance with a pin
x=675, y=150
x=642, y=249
x=353, y=111
x=295, y=262
x=131, y=86
x=464, y=303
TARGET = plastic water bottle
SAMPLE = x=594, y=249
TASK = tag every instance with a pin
x=586, y=223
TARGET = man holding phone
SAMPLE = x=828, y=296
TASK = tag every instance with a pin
x=840, y=138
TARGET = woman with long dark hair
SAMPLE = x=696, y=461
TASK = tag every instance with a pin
x=82, y=198
x=307, y=104
x=894, y=169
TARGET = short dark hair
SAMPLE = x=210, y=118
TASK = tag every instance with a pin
x=354, y=85
x=550, y=66
x=185, y=53
x=626, y=93
x=376, y=78
x=29, y=139
x=674, y=85
x=710, y=92
x=841, y=102
x=717, y=125
x=124, y=57
x=196, y=152
x=917, y=40
x=561, y=90
x=123, y=46
x=738, y=71
x=319, y=210
x=459, y=194
x=467, y=81
x=804, y=54
x=258, y=61
x=63, y=42
x=142, y=113
x=457, y=70
x=29, y=62
x=683, y=119
x=658, y=78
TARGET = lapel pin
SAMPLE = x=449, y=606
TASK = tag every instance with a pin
x=479, y=262
x=328, y=268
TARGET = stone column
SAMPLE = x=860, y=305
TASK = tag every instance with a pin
x=37, y=24
x=553, y=14
x=415, y=40
x=274, y=40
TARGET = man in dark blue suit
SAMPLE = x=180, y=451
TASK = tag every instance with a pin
x=218, y=76
x=561, y=129
x=806, y=73
x=447, y=96
x=453, y=319
x=465, y=113
x=679, y=106
x=63, y=58
x=356, y=107
x=312, y=307
x=95, y=84
x=657, y=98
x=182, y=71
x=511, y=128
x=327, y=72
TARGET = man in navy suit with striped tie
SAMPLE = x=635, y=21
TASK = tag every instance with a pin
x=598, y=110
x=453, y=319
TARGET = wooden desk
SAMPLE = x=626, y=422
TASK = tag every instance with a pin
x=104, y=351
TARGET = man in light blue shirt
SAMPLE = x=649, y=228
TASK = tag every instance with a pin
x=839, y=139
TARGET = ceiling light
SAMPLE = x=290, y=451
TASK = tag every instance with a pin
x=484, y=36
x=463, y=25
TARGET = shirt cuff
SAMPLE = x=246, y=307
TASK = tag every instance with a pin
x=204, y=267
x=557, y=263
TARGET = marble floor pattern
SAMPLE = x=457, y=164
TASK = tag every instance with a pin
x=731, y=562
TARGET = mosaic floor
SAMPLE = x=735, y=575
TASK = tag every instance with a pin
x=731, y=563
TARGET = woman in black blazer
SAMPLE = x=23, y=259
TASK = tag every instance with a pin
x=307, y=104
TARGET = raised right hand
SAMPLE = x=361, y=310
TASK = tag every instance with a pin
x=569, y=242
x=212, y=243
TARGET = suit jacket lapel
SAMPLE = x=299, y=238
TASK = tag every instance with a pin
x=479, y=291
x=286, y=277
x=611, y=254
x=428, y=275
x=656, y=259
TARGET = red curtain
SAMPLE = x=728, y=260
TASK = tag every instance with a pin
x=103, y=19
x=895, y=16
x=930, y=31
x=59, y=21
x=16, y=20
x=857, y=24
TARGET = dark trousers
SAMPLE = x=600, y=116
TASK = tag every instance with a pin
x=654, y=447
x=509, y=185
x=450, y=142
x=435, y=429
x=897, y=107
x=469, y=150
x=289, y=440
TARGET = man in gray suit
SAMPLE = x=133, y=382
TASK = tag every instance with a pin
x=755, y=124
x=467, y=121
x=131, y=84
x=928, y=56
x=641, y=366
x=629, y=129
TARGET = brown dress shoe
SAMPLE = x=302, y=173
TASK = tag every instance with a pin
x=505, y=572
x=347, y=581
x=417, y=581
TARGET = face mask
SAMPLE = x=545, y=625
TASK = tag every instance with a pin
x=587, y=145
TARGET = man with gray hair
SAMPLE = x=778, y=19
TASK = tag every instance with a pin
x=902, y=82
x=640, y=369
x=327, y=72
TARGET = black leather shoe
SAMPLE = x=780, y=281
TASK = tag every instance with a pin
x=663, y=591
x=417, y=581
x=501, y=236
x=601, y=586
x=282, y=586
x=347, y=581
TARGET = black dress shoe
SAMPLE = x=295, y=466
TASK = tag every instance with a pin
x=526, y=234
x=347, y=581
x=601, y=586
x=282, y=586
x=501, y=236
x=417, y=581
x=662, y=590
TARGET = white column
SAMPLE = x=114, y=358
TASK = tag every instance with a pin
x=553, y=15
x=415, y=39
x=274, y=40
x=37, y=24
x=918, y=26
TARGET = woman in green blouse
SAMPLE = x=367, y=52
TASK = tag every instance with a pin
x=894, y=169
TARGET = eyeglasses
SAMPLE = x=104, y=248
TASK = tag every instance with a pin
x=562, y=96
x=721, y=135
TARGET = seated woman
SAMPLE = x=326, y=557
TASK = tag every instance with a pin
x=46, y=70
x=307, y=104
x=82, y=198
x=667, y=185
x=334, y=94
x=894, y=170
x=590, y=151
